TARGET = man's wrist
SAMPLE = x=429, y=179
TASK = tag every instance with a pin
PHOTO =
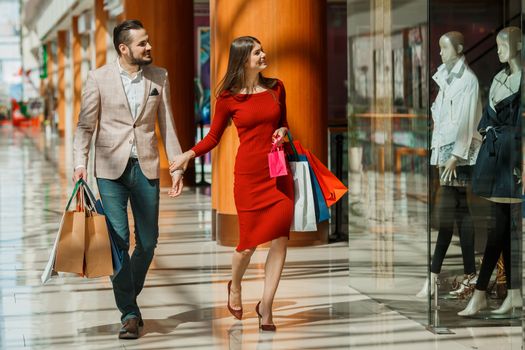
x=79, y=166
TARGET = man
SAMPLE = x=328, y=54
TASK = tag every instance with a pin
x=125, y=98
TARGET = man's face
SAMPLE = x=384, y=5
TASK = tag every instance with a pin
x=138, y=52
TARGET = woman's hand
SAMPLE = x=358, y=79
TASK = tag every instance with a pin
x=450, y=169
x=278, y=136
x=180, y=162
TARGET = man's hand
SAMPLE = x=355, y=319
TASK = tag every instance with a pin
x=80, y=173
x=450, y=169
x=177, y=185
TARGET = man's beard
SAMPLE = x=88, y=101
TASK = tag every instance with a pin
x=139, y=61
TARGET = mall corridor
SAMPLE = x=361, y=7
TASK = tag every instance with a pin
x=184, y=300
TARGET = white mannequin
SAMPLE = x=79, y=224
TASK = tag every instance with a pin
x=455, y=142
x=509, y=51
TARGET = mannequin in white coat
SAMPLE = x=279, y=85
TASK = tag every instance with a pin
x=455, y=145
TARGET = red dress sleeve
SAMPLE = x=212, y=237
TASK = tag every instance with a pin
x=218, y=125
x=282, y=103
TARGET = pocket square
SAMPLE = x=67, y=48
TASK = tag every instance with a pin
x=154, y=92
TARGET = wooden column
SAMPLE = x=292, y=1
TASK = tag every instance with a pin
x=61, y=81
x=50, y=64
x=101, y=34
x=296, y=52
x=50, y=86
x=77, y=64
x=170, y=28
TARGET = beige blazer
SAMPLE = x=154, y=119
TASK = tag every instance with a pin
x=104, y=103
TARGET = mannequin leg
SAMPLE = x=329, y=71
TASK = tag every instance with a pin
x=466, y=233
x=490, y=258
x=512, y=301
x=429, y=287
x=476, y=303
x=466, y=239
x=447, y=214
x=514, y=298
x=494, y=245
x=446, y=210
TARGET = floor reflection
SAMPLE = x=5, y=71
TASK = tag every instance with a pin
x=184, y=298
x=388, y=249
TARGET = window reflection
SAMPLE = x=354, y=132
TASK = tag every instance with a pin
x=410, y=211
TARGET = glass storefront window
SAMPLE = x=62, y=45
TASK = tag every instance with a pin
x=388, y=146
x=434, y=138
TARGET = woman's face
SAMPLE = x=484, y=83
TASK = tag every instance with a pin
x=257, y=59
x=447, y=51
x=503, y=49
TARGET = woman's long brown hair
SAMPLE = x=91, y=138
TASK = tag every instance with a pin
x=235, y=80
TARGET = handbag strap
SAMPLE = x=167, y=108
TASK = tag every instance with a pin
x=296, y=155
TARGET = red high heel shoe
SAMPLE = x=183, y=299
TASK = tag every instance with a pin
x=264, y=327
x=236, y=313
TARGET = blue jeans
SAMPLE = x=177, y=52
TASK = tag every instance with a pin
x=143, y=195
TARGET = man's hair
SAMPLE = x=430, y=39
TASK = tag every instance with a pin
x=121, y=33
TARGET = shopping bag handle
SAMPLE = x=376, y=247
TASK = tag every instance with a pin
x=289, y=134
x=73, y=194
x=89, y=193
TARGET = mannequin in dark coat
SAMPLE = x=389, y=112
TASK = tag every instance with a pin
x=497, y=176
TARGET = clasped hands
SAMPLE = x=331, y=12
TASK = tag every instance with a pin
x=177, y=168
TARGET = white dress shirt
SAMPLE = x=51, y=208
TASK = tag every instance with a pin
x=456, y=113
x=134, y=90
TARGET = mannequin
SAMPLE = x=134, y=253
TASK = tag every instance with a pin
x=455, y=146
x=497, y=174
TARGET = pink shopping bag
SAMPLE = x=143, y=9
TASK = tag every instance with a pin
x=277, y=162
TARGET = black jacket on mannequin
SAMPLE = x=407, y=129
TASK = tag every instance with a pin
x=497, y=172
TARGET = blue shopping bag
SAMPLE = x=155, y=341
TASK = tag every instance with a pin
x=321, y=209
x=116, y=252
x=322, y=213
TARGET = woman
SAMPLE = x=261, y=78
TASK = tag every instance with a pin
x=257, y=106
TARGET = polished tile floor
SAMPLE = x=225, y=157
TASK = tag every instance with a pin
x=183, y=302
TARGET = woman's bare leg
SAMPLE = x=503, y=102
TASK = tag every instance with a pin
x=240, y=262
x=272, y=275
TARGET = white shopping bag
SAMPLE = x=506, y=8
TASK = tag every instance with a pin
x=49, y=271
x=304, y=206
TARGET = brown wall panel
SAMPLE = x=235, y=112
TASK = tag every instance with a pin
x=101, y=33
x=61, y=81
x=170, y=28
x=77, y=64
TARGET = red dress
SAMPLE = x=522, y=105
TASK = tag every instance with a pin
x=264, y=204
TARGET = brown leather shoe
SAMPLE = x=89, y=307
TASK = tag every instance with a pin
x=130, y=329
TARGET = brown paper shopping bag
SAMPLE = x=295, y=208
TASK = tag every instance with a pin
x=98, y=259
x=70, y=250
